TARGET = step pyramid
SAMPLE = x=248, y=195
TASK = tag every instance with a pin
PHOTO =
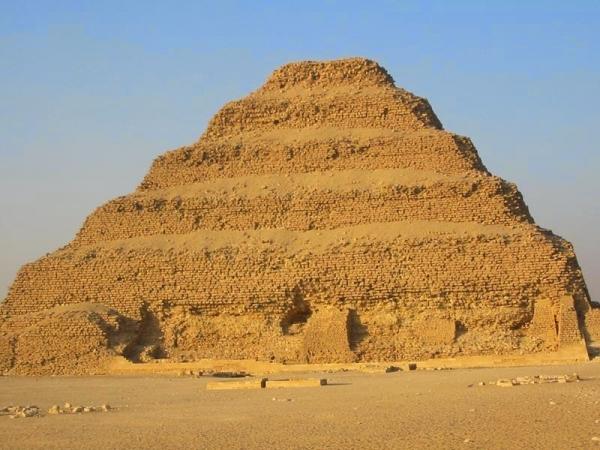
x=325, y=217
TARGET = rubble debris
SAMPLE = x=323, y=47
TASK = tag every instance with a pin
x=298, y=382
x=18, y=412
x=240, y=374
x=505, y=382
x=536, y=379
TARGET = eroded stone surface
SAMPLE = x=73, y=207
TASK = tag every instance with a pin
x=326, y=217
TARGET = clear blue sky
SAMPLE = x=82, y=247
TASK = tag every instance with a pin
x=92, y=91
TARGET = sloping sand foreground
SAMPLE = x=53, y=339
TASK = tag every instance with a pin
x=416, y=409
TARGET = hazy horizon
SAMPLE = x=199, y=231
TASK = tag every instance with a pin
x=92, y=93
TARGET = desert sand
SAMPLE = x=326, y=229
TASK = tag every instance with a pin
x=404, y=409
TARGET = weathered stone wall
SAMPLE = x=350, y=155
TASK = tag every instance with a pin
x=362, y=108
x=484, y=282
x=357, y=94
x=310, y=74
x=326, y=338
x=544, y=325
x=313, y=149
x=7, y=352
x=73, y=339
x=483, y=200
x=325, y=217
x=592, y=324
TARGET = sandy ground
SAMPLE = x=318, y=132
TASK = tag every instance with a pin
x=419, y=409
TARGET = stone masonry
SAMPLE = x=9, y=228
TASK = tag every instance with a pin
x=325, y=217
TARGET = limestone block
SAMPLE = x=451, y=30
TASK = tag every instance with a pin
x=544, y=324
x=326, y=337
x=592, y=324
x=296, y=382
x=242, y=384
x=568, y=326
x=7, y=353
x=436, y=331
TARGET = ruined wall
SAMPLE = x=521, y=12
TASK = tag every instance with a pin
x=364, y=100
x=305, y=206
x=327, y=337
x=325, y=217
x=78, y=338
x=314, y=149
x=7, y=353
x=543, y=329
x=482, y=281
x=592, y=325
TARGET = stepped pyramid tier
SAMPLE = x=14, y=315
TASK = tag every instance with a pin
x=325, y=217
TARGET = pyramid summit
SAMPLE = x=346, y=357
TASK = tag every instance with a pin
x=359, y=71
x=326, y=217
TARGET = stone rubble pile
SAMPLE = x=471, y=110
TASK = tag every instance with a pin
x=19, y=412
x=537, y=379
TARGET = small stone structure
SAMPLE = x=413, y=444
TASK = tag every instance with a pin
x=326, y=217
